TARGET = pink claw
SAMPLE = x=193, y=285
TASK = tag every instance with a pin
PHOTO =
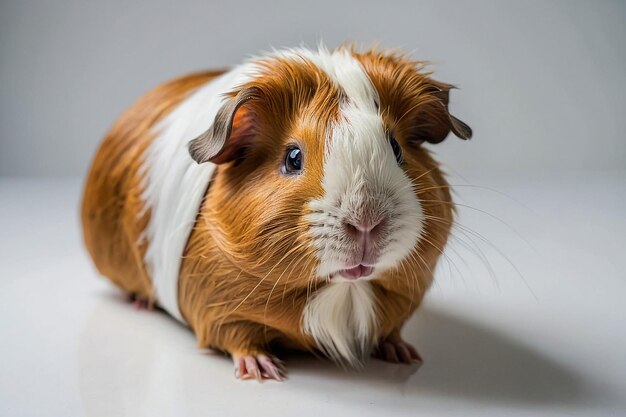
x=140, y=304
x=259, y=367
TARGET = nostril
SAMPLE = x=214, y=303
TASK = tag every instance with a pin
x=378, y=226
x=351, y=228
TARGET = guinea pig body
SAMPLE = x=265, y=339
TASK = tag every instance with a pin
x=286, y=202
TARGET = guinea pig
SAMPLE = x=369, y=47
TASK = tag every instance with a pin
x=287, y=203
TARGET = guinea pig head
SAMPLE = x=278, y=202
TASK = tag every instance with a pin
x=320, y=164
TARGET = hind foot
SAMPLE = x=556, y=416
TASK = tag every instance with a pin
x=394, y=349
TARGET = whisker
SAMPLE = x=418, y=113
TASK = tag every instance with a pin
x=494, y=247
x=263, y=279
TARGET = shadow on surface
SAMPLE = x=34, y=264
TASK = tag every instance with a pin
x=465, y=360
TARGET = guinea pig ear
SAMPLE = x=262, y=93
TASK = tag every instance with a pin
x=233, y=129
x=434, y=121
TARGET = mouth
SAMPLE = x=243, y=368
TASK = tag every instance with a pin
x=359, y=271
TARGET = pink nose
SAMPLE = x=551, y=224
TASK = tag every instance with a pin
x=363, y=228
x=366, y=234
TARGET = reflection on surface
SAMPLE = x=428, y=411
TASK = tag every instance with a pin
x=139, y=363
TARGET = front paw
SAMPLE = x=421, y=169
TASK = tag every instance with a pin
x=259, y=366
x=394, y=349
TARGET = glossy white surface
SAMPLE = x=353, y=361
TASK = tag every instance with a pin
x=546, y=336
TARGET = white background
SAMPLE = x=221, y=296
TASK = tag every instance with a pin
x=542, y=82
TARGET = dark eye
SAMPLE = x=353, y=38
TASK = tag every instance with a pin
x=293, y=161
x=397, y=150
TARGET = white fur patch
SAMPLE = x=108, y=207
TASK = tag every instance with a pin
x=175, y=184
x=361, y=178
x=361, y=174
x=340, y=318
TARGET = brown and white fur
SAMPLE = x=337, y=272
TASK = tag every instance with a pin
x=189, y=204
